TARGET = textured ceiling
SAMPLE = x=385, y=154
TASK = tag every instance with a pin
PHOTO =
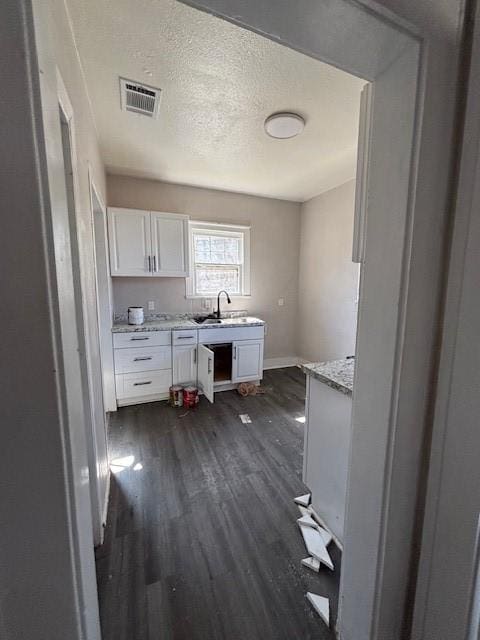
x=219, y=82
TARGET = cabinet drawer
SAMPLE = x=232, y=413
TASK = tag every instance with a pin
x=141, y=339
x=147, y=383
x=184, y=336
x=142, y=359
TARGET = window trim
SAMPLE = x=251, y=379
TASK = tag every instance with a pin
x=218, y=227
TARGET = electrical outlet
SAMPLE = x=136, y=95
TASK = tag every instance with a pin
x=206, y=304
x=281, y=302
x=151, y=305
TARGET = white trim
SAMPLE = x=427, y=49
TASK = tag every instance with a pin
x=281, y=362
x=220, y=225
x=66, y=107
x=72, y=459
x=108, y=391
x=221, y=229
x=337, y=33
x=109, y=397
x=361, y=182
x=447, y=594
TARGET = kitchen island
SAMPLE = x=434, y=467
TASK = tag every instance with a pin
x=327, y=439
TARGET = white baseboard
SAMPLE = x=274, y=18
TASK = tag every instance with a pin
x=284, y=361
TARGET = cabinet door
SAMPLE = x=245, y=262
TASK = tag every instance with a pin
x=185, y=365
x=206, y=365
x=247, y=361
x=129, y=241
x=169, y=245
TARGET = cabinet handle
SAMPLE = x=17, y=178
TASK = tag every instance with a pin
x=140, y=384
x=195, y=356
x=144, y=338
x=143, y=358
x=149, y=264
x=209, y=370
x=234, y=353
x=184, y=337
x=154, y=263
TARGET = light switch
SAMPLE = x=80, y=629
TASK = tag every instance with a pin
x=151, y=305
x=281, y=302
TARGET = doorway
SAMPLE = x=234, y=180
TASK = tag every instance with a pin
x=103, y=291
x=95, y=427
x=86, y=378
x=381, y=503
x=396, y=72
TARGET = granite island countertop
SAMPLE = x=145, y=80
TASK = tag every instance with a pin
x=337, y=374
x=185, y=323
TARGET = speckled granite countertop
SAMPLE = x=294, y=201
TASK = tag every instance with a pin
x=337, y=374
x=185, y=323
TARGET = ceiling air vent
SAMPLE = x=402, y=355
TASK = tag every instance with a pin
x=139, y=98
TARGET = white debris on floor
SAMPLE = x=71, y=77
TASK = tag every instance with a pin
x=321, y=606
x=311, y=563
x=305, y=511
x=316, y=539
x=308, y=521
x=326, y=535
x=245, y=418
x=304, y=501
x=316, y=546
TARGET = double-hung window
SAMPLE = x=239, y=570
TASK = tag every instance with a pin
x=219, y=259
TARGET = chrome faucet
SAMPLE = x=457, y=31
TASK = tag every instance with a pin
x=217, y=312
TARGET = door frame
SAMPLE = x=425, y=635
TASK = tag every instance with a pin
x=448, y=589
x=392, y=371
x=106, y=353
x=77, y=566
x=373, y=43
x=97, y=500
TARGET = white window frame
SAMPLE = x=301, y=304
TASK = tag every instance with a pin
x=220, y=229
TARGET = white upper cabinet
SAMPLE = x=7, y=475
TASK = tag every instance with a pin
x=148, y=243
x=247, y=360
x=169, y=245
x=129, y=240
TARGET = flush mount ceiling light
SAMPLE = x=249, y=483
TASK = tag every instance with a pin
x=284, y=125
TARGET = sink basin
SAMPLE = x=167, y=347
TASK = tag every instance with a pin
x=207, y=321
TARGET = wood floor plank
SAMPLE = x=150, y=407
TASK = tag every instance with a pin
x=201, y=541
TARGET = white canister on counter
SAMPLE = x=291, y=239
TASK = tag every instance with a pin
x=135, y=315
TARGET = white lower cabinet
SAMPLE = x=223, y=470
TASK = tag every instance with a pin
x=247, y=360
x=326, y=449
x=147, y=363
x=139, y=387
x=206, y=367
x=143, y=366
x=142, y=359
x=223, y=365
x=184, y=361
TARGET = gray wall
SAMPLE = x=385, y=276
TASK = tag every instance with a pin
x=328, y=279
x=275, y=240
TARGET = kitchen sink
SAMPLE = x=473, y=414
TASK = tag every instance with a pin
x=207, y=320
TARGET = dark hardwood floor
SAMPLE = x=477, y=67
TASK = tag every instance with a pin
x=201, y=540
